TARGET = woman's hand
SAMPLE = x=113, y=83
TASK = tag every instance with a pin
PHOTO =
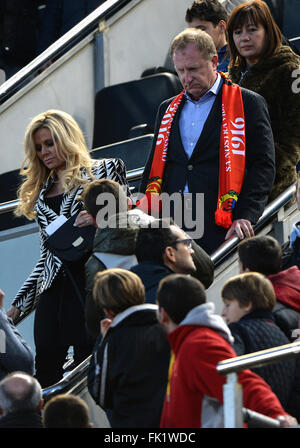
x=13, y=313
x=84, y=219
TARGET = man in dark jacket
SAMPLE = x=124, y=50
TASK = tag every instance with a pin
x=20, y=401
x=163, y=249
x=192, y=152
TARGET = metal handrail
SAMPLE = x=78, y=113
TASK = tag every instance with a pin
x=292, y=39
x=10, y=206
x=259, y=359
x=70, y=381
x=271, y=209
x=88, y=24
x=234, y=413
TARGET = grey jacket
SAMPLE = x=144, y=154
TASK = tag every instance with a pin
x=15, y=353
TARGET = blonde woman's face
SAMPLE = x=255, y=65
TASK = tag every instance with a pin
x=46, y=150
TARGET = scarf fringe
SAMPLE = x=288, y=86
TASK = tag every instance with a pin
x=223, y=218
x=150, y=204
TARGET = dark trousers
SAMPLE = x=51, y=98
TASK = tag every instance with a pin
x=59, y=323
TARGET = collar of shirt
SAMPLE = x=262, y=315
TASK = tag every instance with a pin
x=193, y=117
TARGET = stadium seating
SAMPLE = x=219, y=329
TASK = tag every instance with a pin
x=120, y=107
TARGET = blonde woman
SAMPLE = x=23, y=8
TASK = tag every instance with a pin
x=56, y=167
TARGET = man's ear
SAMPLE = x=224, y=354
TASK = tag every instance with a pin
x=169, y=255
x=248, y=307
x=164, y=316
x=222, y=25
x=215, y=61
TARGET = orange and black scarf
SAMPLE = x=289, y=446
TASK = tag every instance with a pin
x=232, y=154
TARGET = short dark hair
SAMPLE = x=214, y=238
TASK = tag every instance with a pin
x=250, y=287
x=259, y=13
x=178, y=294
x=97, y=187
x=66, y=411
x=208, y=10
x=152, y=240
x=261, y=254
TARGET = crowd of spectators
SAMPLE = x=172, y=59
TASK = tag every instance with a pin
x=157, y=341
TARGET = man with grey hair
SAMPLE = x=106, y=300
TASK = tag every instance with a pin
x=21, y=401
x=213, y=138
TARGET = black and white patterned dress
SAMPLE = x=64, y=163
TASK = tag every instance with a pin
x=48, y=265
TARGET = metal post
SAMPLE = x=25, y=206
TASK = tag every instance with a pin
x=233, y=402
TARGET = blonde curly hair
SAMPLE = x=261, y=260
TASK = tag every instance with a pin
x=66, y=134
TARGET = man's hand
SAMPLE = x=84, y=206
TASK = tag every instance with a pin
x=242, y=228
x=286, y=421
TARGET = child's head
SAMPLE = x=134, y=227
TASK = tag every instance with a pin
x=261, y=253
x=245, y=293
x=118, y=289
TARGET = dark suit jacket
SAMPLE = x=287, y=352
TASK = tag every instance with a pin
x=201, y=171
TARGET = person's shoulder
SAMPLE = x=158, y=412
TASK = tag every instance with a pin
x=163, y=106
x=250, y=95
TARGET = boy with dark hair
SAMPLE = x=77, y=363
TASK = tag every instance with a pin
x=199, y=340
x=211, y=17
x=263, y=254
x=66, y=411
x=248, y=303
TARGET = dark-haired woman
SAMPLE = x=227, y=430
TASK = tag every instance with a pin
x=259, y=62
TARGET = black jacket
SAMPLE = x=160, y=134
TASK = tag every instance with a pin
x=129, y=369
x=151, y=274
x=22, y=419
x=201, y=171
x=257, y=331
x=18, y=30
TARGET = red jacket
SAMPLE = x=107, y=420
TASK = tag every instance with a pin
x=194, y=377
x=287, y=287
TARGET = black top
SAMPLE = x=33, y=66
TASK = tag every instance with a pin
x=54, y=203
